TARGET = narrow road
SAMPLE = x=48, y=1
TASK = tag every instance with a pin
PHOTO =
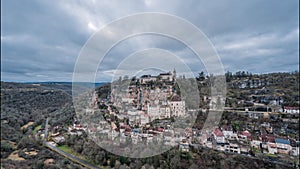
x=46, y=130
x=67, y=155
x=71, y=156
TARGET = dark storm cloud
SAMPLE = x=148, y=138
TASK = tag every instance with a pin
x=42, y=39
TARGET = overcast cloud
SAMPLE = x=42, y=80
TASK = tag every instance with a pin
x=41, y=39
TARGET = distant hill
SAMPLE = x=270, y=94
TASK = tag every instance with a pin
x=67, y=83
x=65, y=86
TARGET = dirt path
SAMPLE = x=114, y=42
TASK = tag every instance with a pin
x=27, y=125
x=14, y=156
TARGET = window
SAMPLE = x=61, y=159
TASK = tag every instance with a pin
x=282, y=148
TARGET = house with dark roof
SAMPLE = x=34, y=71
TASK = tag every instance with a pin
x=147, y=78
x=166, y=76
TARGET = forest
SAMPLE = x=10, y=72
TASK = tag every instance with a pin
x=24, y=108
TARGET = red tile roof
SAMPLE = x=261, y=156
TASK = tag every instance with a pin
x=268, y=138
x=291, y=108
x=246, y=133
x=218, y=133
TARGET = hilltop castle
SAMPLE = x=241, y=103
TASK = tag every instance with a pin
x=150, y=97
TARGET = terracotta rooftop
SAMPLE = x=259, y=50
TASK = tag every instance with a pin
x=291, y=108
x=268, y=138
x=246, y=133
x=218, y=133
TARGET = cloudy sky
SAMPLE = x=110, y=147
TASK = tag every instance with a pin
x=41, y=40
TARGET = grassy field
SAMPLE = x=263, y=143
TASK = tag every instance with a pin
x=66, y=149
x=69, y=150
x=271, y=155
x=37, y=128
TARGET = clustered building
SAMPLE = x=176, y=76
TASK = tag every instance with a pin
x=148, y=98
x=241, y=142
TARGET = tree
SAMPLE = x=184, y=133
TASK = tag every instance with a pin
x=123, y=160
x=201, y=76
x=112, y=161
x=228, y=76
